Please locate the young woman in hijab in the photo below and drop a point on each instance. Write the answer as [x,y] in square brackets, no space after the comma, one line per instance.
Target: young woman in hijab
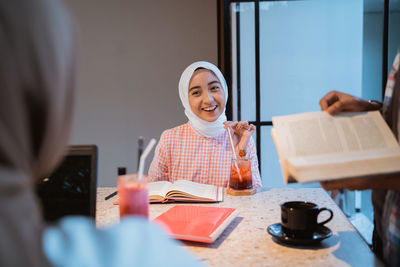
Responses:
[199,150]
[37,51]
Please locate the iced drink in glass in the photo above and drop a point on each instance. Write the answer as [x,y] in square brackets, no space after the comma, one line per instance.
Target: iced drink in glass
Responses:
[244,181]
[133,196]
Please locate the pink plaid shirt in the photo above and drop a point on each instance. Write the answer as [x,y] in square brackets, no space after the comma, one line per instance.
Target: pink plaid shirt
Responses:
[182,154]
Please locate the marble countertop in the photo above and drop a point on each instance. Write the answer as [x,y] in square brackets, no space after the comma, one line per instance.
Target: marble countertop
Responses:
[246,241]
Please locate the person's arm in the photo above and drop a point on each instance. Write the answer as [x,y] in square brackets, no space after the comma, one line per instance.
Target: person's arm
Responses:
[391,182]
[335,102]
[134,241]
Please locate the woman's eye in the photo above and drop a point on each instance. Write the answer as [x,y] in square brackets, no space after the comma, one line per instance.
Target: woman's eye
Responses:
[215,88]
[195,93]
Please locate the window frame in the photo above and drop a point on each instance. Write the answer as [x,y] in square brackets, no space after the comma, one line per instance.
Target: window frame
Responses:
[226,65]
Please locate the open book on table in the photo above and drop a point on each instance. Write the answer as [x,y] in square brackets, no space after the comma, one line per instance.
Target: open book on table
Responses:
[316,146]
[183,190]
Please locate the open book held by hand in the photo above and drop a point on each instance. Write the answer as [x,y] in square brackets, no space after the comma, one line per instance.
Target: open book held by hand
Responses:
[184,191]
[316,146]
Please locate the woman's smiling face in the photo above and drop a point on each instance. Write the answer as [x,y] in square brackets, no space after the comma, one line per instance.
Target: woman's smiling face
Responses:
[206,95]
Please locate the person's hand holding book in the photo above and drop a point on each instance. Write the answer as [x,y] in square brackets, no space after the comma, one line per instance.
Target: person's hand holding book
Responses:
[335,102]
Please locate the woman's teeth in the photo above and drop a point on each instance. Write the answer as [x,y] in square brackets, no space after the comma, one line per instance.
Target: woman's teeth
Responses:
[210,108]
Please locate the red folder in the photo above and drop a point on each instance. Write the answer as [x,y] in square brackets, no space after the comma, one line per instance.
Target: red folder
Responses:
[196,223]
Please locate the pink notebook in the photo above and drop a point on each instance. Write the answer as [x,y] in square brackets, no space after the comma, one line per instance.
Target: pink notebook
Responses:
[196,223]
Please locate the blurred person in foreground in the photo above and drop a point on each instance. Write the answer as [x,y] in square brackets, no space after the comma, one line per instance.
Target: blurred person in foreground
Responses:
[37,71]
[385,188]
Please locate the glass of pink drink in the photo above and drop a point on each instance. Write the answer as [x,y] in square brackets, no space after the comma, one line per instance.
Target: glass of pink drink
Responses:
[244,180]
[133,196]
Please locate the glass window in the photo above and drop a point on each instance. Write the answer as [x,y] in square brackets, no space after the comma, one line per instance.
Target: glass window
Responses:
[394,31]
[271,168]
[243,57]
[307,48]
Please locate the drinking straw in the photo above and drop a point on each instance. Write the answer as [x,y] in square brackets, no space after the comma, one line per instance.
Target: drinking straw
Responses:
[140,150]
[234,153]
[143,157]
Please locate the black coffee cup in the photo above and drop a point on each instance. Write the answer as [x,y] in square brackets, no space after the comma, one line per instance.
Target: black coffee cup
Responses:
[299,219]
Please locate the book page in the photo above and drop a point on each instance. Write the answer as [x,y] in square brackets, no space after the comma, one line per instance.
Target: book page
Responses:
[159,188]
[345,165]
[192,189]
[318,133]
[371,131]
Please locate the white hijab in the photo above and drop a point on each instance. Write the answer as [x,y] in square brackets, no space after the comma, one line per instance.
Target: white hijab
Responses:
[202,127]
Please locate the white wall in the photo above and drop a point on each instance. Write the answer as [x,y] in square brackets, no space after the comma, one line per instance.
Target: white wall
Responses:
[132,54]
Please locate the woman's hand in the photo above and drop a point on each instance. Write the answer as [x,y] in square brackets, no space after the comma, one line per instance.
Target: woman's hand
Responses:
[335,102]
[241,132]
